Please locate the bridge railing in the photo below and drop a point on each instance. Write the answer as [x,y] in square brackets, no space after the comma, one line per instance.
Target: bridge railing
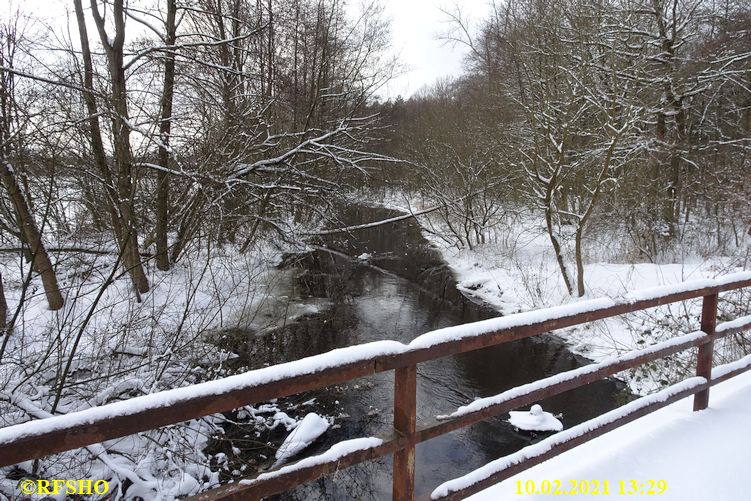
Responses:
[36,439]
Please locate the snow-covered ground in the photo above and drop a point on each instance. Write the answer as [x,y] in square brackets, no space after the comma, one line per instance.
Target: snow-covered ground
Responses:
[697,456]
[482,275]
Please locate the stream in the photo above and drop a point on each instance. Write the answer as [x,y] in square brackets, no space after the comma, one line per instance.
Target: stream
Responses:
[387,282]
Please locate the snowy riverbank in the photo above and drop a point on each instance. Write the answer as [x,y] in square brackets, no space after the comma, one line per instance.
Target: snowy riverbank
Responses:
[515,271]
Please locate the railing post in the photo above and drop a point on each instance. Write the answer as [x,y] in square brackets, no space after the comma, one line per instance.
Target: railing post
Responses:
[405,420]
[704,357]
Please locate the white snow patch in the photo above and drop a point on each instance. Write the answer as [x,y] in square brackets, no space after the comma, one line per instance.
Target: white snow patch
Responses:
[334,453]
[535,419]
[307,431]
[663,445]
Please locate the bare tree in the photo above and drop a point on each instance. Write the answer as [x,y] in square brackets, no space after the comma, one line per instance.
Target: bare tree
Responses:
[3,307]
[122,155]
[10,146]
[39,258]
[568,68]
[443,133]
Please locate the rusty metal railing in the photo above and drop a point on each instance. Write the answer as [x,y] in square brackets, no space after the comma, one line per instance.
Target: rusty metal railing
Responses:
[30,441]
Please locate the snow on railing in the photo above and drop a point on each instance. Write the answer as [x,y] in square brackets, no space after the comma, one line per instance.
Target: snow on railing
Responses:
[687,286]
[332,454]
[721,371]
[353,354]
[734,325]
[170,398]
[541,384]
[527,318]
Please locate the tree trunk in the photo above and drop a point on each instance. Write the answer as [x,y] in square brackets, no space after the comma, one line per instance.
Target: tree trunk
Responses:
[165,126]
[188,224]
[558,251]
[579,262]
[40,259]
[97,145]
[3,308]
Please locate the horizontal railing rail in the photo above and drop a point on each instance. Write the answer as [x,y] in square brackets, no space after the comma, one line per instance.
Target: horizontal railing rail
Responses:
[36,439]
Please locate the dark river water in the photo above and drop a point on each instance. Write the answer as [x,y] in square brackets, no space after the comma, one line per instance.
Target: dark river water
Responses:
[401,291]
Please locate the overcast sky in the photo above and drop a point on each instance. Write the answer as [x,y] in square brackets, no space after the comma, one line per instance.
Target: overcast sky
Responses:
[416,27]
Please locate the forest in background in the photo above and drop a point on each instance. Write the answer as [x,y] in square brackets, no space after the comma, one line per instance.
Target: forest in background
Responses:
[157,157]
